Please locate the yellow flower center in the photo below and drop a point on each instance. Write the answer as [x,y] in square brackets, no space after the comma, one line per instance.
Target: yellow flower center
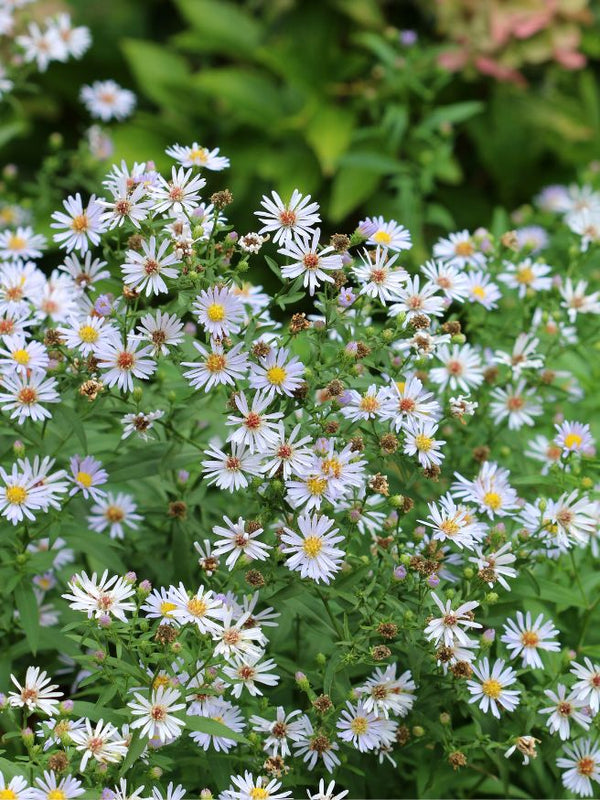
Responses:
[85,479]
[215,362]
[316,485]
[382,237]
[573,440]
[585,766]
[16,495]
[87,333]
[258,793]
[312,546]
[331,466]
[80,224]
[276,375]
[369,404]
[216,312]
[493,500]
[160,680]
[450,527]
[197,607]
[56,794]
[530,639]
[166,608]
[7,794]
[423,442]
[478,291]
[525,275]
[199,154]
[17,243]
[359,725]
[114,514]
[21,357]
[492,688]
[464,248]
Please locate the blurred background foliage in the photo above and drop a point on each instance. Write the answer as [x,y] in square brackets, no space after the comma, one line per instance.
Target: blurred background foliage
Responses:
[432,113]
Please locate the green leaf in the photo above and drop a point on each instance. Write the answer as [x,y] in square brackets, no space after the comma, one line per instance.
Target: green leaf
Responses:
[253,96]
[351,187]
[158,72]
[134,751]
[219,26]
[212,727]
[453,113]
[329,133]
[29,615]
[70,420]
[81,708]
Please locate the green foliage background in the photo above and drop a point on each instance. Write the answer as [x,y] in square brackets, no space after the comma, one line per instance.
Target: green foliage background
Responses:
[321,95]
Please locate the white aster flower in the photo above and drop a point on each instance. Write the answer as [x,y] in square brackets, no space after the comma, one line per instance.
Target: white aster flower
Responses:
[80,227]
[23,395]
[237,541]
[123,362]
[115,512]
[107,100]
[244,671]
[98,598]
[564,709]
[103,743]
[378,276]
[219,311]
[178,195]
[313,552]
[198,156]
[147,270]
[231,471]
[217,366]
[490,689]
[36,694]
[156,715]
[581,762]
[288,221]
[309,261]
[277,373]
[526,637]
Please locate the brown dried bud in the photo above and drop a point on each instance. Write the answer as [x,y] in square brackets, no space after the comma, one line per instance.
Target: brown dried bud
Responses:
[452,327]
[420,322]
[384,541]
[320,744]
[322,704]
[91,364]
[275,766]
[221,199]
[487,574]
[462,669]
[432,473]
[357,444]
[261,349]
[254,578]
[130,294]
[510,240]
[490,374]
[331,427]
[380,652]
[339,278]
[58,762]
[335,388]
[407,504]
[299,323]
[457,760]
[379,483]
[166,634]
[178,509]
[252,526]
[389,630]
[422,375]
[301,391]
[481,453]
[402,735]
[547,376]
[444,654]
[340,242]
[362,350]
[135,242]
[52,338]
[91,389]
[388,443]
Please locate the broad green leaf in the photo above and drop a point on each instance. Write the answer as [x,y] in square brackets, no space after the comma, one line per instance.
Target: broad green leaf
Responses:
[158,72]
[255,98]
[329,134]
[212,727]
[220,26]
[351,187]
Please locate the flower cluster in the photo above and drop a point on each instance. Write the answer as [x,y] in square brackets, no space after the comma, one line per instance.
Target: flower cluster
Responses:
[342,547]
